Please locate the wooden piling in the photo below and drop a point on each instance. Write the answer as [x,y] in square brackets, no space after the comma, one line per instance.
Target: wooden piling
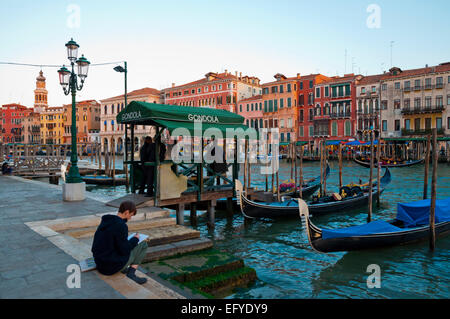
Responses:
[433,191]
[340,165]
[369,216]
[325,161]
[427,165]
[211,209]
[378,171]
[301,173]
[180,214]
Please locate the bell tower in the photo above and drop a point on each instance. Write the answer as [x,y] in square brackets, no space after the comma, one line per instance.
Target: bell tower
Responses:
[40,94]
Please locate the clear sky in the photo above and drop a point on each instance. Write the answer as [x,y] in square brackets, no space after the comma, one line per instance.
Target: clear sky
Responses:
[168,42]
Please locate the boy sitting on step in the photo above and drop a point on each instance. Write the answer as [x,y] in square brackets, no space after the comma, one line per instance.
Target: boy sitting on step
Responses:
[111,249]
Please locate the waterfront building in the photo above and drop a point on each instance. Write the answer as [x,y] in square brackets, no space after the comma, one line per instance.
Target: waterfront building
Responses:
[111,131]
[306,98]
[415,101]
[335,108]
[31,127]
[52,125]
[12,122]
[215,90]
[251,110]
[280,108]
[87,118]
[368,98]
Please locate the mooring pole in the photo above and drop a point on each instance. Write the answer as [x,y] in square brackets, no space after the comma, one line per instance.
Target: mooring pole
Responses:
[427,165]
[301,172]
[369,216]
[378,171]
[433,191]
[340,165]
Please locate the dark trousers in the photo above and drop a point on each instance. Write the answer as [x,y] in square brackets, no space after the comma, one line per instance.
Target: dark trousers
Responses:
[147,179]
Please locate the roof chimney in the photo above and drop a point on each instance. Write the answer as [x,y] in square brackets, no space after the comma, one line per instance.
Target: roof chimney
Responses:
[426,65]
[240,75]
[298,75]
[173,85]
[226,71]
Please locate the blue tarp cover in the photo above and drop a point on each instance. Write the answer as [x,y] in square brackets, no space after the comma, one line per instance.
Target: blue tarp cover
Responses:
[418,213]
[374,227]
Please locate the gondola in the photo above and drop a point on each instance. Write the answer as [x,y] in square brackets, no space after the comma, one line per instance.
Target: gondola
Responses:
[410,225]
[385,164]
[309,187]
[103,180]
[327,204]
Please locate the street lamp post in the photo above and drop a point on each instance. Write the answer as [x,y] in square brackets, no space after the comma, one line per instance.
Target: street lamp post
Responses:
[74,187]
[123,70]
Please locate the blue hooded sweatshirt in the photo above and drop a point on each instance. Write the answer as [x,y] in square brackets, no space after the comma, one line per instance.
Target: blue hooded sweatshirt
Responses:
[111,247]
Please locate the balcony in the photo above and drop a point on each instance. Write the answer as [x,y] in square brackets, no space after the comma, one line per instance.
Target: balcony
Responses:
[408,132]
[340,115]
[417,88]
[407,89]
[423,110]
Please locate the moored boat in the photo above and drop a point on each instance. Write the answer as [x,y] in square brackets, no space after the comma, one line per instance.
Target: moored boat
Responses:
[103,180]
[355,197]
[410,225]
[389,163]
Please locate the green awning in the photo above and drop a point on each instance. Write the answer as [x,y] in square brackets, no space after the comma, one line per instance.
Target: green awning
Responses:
[174,116]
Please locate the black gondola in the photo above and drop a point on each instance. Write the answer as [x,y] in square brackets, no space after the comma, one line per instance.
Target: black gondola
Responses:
[403,164]
[376,234]
[103,180]
[288,208]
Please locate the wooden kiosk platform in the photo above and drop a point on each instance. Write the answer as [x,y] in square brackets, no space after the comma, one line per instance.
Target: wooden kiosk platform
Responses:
[187,182]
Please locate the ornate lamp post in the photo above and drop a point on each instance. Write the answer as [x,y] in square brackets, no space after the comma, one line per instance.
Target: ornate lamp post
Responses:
[69,82]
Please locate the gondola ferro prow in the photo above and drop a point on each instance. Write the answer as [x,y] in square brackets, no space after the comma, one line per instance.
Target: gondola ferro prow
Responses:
[304,216]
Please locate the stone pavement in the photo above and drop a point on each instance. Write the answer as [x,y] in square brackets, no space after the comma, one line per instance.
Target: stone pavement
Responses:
[30,265]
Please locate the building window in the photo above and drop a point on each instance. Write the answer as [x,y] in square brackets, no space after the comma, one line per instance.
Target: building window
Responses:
[439,83]
[397,85]
[384,125]
[317,92]
[396,104]
[288,87]
[333,128]
[275,105]
[397,125]
[311,84]
[439,123]
[281,103]
[439,101]
[327,91]
[281,89]
[282,123]
[407,124]
[289,102]
[363,90]
[384,87]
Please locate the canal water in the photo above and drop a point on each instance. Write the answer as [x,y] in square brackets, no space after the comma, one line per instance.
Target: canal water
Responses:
[287,267]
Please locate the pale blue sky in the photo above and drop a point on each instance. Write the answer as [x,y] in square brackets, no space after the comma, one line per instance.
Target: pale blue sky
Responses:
[180,41]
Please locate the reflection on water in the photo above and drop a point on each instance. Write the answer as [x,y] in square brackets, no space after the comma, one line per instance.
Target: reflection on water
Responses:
[288,268]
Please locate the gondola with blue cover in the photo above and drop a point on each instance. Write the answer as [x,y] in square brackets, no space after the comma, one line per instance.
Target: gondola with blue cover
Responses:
[410,225]
[355,197]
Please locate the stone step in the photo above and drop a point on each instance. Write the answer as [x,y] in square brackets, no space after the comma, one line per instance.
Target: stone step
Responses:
[169,234]
[172,249]
[132,227]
